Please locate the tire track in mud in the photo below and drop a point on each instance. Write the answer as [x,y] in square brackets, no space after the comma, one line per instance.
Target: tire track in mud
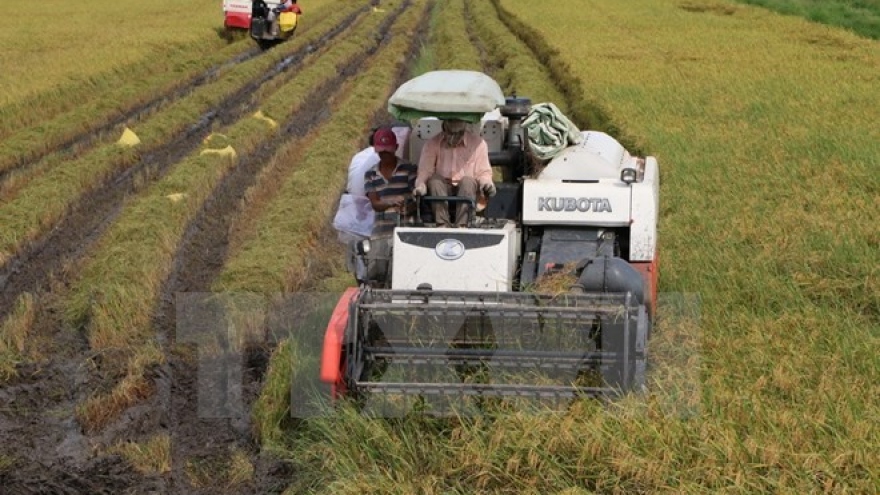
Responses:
[198,262]
[42,449]
[89,217]
[109,474]
[81,142]
[485,58]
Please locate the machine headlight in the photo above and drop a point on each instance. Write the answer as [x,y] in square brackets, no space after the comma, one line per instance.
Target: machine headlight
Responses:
[628,175]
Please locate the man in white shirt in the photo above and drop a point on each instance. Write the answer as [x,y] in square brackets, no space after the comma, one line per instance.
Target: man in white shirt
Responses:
[355,194]
[363,161]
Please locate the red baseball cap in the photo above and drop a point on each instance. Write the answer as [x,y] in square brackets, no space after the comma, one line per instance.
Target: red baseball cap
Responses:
[385,140]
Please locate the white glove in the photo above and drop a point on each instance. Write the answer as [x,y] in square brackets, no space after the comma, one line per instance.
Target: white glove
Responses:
[420,190]
[489,189]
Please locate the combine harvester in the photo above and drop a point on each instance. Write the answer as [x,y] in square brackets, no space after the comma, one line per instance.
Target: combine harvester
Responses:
[268,22]
[465,314]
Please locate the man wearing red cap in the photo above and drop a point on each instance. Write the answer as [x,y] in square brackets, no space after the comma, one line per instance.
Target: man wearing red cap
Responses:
[389,184]
[389,187]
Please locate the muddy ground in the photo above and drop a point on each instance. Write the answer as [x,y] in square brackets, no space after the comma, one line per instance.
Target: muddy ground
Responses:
[43,449]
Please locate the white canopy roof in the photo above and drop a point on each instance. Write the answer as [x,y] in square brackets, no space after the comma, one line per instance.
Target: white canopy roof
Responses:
[449,91]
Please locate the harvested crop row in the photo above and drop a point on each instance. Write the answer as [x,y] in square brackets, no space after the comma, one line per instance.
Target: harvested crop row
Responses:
[289,223]
[103,105]
[517,70]
[453,49]
[76,199]
[583,108]
[14,331]
[204,248]
[62,184]
[293,230]
[175,118]
[245,271]
[116,293]
[110,92]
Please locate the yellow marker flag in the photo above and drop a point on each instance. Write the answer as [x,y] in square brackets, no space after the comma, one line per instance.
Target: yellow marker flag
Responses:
[129,138]
[377,9]
[176,197]
[227,151]
[261,116]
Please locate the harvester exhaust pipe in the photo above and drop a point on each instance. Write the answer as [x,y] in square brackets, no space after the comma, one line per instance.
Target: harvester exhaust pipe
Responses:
[511,157]
[516,110]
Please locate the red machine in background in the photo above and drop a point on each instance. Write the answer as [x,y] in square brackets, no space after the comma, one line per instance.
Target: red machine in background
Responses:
[237,14]
[267,21]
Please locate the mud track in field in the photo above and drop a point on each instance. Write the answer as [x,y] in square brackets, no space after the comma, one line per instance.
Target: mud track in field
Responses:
[81,142]
[198,262]
[485,60]
[42,448]
[42,445]
[86,220]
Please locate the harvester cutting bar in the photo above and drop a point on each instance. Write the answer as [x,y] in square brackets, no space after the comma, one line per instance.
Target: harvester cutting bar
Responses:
[486,390]
[498,357]
[434,309]
[513,301]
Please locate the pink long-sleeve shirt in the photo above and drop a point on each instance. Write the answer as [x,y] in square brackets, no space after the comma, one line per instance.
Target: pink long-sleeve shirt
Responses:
[469,158]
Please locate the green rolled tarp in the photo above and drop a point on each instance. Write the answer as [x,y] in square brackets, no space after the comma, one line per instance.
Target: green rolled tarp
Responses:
[549,131]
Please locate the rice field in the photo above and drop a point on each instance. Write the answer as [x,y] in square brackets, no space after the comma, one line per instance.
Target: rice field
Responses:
[765,129]
[762,114]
